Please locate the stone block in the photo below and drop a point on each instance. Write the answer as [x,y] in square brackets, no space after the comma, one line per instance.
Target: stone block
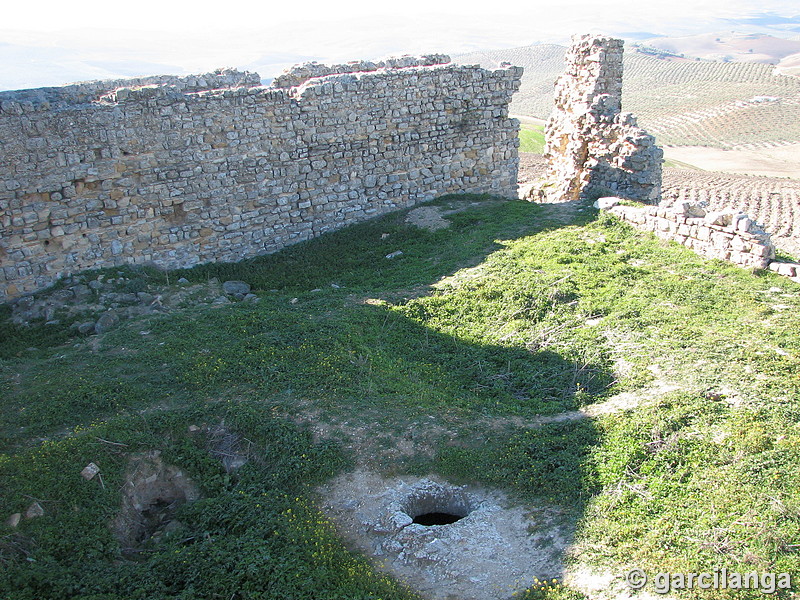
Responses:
[89,471]
[34,511]
[13,520]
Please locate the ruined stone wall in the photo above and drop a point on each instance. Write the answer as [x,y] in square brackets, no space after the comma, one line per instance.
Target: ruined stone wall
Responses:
[593,149]
[176,175]
[20,101]
[301,73]
[726,235]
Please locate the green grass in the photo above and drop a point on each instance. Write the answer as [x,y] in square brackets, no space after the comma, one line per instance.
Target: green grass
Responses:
[677,164]
[469,337]
[531,138]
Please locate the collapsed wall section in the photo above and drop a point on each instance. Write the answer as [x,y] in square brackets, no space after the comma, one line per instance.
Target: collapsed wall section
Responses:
[725,235]
[593,149]
[160,175]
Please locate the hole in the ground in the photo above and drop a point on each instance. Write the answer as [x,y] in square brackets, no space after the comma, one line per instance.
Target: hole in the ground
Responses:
[152,493]
[437,504]
[436,518]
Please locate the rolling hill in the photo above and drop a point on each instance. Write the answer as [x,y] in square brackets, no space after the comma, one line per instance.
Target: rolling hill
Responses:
[683,102]
[726,47]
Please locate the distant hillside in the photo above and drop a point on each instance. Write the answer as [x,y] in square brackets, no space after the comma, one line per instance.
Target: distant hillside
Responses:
[727,47]
[683,102]
[789,65]
[543,64]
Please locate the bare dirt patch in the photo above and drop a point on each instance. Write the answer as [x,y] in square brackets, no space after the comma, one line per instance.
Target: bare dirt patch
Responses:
[382,439]
[617,403]
[428,217]
[433,217]
[493,550]
[778,161]
[531,167]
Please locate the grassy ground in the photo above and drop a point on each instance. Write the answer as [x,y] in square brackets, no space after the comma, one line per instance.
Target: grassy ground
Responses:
[477,331]
[531,138]
[676,164]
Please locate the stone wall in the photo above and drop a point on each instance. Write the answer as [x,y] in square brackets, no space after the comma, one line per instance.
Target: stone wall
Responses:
[593,149]
[170,173]
[726,235]
[20,101]
[301,73]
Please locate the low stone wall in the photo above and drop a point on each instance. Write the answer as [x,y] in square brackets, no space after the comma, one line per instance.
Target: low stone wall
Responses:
[787,269]
[726,235]
[175,172]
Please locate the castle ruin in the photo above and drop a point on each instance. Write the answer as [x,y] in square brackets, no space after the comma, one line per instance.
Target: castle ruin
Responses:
[592,148]
[179,171]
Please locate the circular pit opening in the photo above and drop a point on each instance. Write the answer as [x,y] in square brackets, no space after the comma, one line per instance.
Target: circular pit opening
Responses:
[436,518]
[439,505]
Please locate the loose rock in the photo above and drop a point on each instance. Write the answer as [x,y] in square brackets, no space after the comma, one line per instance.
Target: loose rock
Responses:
[89,471]
[34,510]
[107,321]
[235,288]
[14,520]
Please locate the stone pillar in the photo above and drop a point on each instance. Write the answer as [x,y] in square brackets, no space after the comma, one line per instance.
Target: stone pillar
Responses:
[593,149]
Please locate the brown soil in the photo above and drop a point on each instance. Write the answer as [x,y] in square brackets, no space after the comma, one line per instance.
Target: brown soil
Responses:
[771,161]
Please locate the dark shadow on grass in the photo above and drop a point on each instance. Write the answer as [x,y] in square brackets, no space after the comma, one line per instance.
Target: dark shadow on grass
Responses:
[355,257]
[60,393]
[324,354]
[356,362]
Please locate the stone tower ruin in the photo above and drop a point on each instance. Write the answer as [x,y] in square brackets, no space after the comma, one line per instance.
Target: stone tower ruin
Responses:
[592,148]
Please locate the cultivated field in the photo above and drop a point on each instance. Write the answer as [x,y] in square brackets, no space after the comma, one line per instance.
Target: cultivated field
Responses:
[683,102]
[543,64]
[726,47]
[721,105]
